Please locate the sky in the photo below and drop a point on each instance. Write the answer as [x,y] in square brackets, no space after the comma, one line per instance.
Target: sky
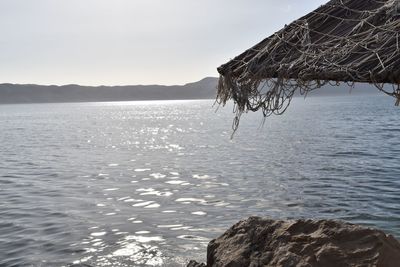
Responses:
[123,42]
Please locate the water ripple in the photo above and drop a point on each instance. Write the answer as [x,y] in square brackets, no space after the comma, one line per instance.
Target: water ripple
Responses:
[150,183]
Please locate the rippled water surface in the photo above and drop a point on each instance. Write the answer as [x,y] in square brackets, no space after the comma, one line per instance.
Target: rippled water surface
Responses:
[150,183]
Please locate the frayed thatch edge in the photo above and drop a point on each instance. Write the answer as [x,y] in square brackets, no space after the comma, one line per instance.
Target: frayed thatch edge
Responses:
[276,98]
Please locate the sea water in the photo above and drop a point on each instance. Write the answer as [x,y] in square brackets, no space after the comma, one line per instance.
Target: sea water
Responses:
[151,183]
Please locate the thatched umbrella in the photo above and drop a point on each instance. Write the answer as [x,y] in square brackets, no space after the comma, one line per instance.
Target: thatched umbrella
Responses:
[342,41]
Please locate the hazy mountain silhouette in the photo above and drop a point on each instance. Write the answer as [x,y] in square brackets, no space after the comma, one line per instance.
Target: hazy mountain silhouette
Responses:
[203,89]
[343,90]
[32,93]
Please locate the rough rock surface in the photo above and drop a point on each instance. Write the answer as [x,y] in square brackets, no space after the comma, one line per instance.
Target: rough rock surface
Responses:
[302,243]
[195,264]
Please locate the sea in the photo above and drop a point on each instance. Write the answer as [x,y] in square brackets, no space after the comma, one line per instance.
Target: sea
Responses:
[151,183]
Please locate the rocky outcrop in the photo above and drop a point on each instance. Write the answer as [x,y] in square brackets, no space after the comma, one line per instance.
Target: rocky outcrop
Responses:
[302,243]
[195,264]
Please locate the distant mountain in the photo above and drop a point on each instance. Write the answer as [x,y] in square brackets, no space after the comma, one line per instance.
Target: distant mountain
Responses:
[343,90]
[203,89]
[32,93]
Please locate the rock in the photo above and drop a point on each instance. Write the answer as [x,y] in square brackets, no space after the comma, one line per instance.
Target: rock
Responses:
[302,243]
[195,264]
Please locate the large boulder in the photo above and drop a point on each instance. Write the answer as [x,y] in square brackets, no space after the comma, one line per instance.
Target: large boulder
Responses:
[302,243]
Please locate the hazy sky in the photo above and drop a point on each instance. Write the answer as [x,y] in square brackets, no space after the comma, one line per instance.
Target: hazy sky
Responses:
[115,42]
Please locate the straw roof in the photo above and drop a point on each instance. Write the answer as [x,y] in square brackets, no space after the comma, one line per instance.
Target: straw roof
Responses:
[341,41]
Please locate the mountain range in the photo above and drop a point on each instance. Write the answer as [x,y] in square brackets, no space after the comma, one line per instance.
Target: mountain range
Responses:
[32,93]
[203,89]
